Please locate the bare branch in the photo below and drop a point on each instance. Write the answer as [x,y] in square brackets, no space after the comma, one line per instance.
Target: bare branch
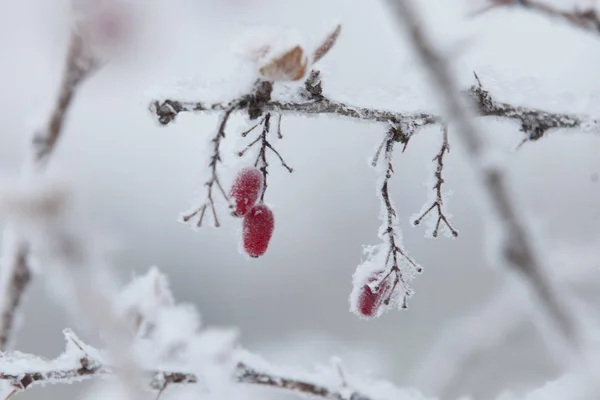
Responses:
[16,277]
[245,372]
[535,123]
[438,204]
[517,251]
[587,20]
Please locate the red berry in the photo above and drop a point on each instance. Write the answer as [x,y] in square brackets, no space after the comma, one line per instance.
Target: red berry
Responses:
[369,300]
[246,190]
[258,229]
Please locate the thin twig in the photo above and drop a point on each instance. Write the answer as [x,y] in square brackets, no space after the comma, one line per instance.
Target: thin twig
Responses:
[261,160]
[214,177]
[394,249]
[279,134]
[587,20]
[11,394]
[438,204]
[78,66]
[517,251]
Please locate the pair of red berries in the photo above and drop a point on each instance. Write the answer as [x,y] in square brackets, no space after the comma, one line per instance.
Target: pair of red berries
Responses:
[258,218]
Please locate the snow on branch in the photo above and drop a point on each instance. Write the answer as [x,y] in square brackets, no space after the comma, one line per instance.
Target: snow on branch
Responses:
[438,202]
[80,362]
[516,250]
[15,272]
[535,123]
[374,286]
[262,92]
[186,355]
[388,266]
[587,19]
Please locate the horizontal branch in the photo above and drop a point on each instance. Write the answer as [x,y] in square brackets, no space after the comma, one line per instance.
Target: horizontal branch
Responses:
[533,122]
[87,367]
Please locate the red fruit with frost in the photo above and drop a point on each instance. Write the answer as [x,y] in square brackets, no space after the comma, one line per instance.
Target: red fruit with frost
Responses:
[246,189]
[370,300]
[257,230]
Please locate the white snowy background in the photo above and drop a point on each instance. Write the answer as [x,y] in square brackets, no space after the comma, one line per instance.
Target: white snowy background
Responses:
[291,305]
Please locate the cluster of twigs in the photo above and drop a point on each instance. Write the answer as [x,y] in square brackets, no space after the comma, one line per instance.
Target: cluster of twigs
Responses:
[261,159]
[252,103]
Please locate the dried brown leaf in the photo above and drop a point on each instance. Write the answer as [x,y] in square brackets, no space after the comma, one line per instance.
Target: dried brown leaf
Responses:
[291,66]
[327,44]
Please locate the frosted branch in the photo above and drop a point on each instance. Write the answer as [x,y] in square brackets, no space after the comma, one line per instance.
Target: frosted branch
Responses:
[438,203]
[587,20]
[516,251]
[535,123]
[395,250]
[82,362]
[15,269]
[215,159]
[264,146]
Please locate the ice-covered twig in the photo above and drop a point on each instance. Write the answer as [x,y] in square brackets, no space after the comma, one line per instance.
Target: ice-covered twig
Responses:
[265,145]
[16,274]
[261,94]
[395,252]
[39,371]
[535,123]
[587,20]
[517,250]
[438,203]
[215,159]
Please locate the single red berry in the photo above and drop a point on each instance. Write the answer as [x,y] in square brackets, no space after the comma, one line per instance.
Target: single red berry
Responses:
[246,190]
[370,300]
[257,230]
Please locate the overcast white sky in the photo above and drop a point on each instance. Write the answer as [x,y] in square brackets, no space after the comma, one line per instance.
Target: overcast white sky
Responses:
[292,304]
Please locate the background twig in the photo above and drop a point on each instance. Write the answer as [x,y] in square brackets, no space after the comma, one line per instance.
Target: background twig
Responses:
[16,272]
[516,251]
[586,20]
